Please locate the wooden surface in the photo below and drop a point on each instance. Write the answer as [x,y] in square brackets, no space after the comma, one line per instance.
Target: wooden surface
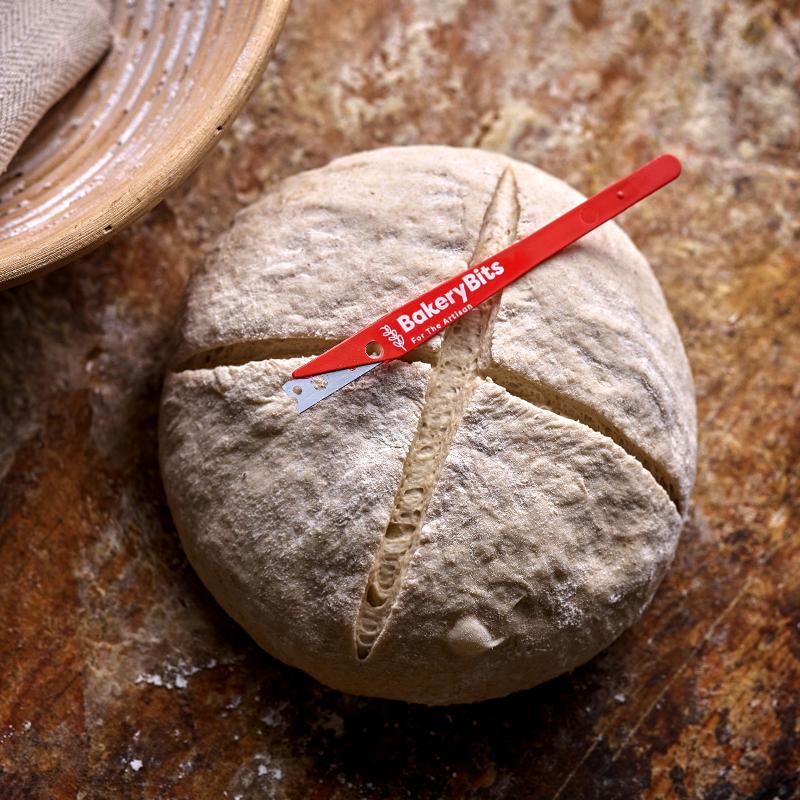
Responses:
[121,678]
[175,77]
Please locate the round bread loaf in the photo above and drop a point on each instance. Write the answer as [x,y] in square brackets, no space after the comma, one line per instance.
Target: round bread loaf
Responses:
[473,521]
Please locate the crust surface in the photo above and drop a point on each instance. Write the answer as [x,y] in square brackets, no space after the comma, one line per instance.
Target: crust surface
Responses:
[556,503]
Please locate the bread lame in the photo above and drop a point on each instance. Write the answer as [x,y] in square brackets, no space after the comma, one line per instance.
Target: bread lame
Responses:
[412,324]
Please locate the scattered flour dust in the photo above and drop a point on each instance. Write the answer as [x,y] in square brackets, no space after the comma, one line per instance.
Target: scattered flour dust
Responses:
[273,718]
[8,732]
[274,772]
[257,778]
[174,675]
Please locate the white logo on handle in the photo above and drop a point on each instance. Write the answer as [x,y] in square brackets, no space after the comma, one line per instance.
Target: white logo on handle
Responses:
[394,337]
[456,296]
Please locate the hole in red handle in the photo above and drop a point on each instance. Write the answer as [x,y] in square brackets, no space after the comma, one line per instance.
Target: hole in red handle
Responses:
[373,350]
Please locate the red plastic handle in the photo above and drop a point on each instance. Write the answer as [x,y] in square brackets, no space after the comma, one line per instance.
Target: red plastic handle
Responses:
[412,324]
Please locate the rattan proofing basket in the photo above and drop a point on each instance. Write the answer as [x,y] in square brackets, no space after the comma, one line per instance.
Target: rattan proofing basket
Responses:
[132,130]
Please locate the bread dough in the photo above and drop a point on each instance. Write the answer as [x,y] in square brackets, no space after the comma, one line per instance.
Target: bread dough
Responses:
[454,528]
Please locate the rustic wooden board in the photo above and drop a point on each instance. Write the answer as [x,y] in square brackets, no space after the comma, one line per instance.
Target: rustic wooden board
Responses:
[119,675]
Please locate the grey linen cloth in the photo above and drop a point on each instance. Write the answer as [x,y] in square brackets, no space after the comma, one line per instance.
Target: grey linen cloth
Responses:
[46,46]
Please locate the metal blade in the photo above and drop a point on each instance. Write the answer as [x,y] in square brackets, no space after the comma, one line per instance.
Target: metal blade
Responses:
[307,392]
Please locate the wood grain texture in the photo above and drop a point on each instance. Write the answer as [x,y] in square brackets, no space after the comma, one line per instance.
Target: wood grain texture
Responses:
[120,676]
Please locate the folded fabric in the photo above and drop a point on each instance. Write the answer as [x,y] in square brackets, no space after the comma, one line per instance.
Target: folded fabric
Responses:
[46,46]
